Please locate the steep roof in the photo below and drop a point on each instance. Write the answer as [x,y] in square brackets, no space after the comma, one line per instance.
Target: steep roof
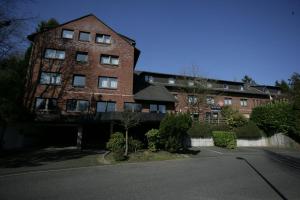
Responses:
[125,38]
[154,93]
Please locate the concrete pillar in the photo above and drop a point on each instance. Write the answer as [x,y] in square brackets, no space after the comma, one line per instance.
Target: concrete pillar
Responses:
[79,137]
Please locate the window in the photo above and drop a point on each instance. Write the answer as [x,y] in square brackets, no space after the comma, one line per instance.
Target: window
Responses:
[149,79]
[82,57]
[109,60]
[175,96]
[242,88]
[244,102]
[106,106]
[155,108]
[210,100]
[191,83]
[209,85]
[84,36]
[133,107]
[50,78]
[101,38]
[78,80]
[68,34]
[54,54]
[225,86]
[108,82]
[228,101]
[171,81]
[74,105]
[45,104]
[192,99]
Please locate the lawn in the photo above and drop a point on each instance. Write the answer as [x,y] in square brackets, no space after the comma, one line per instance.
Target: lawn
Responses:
[145,155]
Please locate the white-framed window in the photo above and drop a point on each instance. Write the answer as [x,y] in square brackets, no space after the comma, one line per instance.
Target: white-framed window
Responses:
[50,78]
[102,38]
[244,102]
[106,106]
[157,108]
[227,101]
[82,57]
[171,81]
[108,82]
[67,34]
[192,99]
[45,104]
[226,87]
[242,88]
[210,100]
[84,36]
[54,54]
[78,80]
[74,105]
[209,85]
[109,60]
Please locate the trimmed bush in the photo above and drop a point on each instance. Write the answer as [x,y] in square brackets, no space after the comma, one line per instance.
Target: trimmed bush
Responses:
[248,131]
[134,145]
[116,142]
[153,138]
[173,131]
[200,130]
[274,117]
[224,139]
[221,127]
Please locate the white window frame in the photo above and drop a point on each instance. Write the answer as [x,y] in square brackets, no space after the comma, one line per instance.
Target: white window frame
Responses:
[110,59]
[244,102]
[103,39]
[52,78]
[112,82]
[46,104]
[55,54]
[227,101]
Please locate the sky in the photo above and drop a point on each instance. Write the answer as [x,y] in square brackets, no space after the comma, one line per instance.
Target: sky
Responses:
[224,39]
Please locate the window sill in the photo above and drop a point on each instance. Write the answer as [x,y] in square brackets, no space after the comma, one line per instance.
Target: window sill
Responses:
[109,65]
[107,88]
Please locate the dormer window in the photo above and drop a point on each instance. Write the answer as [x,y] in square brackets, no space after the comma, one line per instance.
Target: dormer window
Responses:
[242,88]
[171,81]
[209,85]
[225,86]
[149,79]
[101,38]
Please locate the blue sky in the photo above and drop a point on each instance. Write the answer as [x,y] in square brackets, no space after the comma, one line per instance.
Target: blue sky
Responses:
[225,39]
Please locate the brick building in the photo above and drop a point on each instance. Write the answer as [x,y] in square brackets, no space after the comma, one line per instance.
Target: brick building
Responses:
[84,67]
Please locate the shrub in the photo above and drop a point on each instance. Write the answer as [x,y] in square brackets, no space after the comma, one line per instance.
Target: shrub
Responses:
[173,131]
[274,117]
[116,142]
[224,139]
[153,138]
[118,155]
[134,145]
[232,117]
[200,130]
[220,127]
[248,131]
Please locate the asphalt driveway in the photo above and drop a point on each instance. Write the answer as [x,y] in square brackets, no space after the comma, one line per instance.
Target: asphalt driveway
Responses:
[212,174]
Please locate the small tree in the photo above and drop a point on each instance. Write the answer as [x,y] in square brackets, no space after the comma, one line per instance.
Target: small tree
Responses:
[232,117]
[128,120]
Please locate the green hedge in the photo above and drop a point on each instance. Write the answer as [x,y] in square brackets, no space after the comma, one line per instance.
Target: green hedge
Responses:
[200,130]
[248,131]
[224,139]
[173,131]
[274,117]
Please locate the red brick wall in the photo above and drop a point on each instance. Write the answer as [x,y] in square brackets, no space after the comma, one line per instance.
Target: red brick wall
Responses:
[93,69]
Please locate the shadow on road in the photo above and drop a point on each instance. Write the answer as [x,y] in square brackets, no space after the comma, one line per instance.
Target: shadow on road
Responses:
[40,157]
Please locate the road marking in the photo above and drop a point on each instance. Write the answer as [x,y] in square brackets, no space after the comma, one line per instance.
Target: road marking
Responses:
[218,152]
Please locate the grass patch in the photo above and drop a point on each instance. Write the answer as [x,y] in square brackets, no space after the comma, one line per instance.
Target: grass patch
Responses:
[143,156]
